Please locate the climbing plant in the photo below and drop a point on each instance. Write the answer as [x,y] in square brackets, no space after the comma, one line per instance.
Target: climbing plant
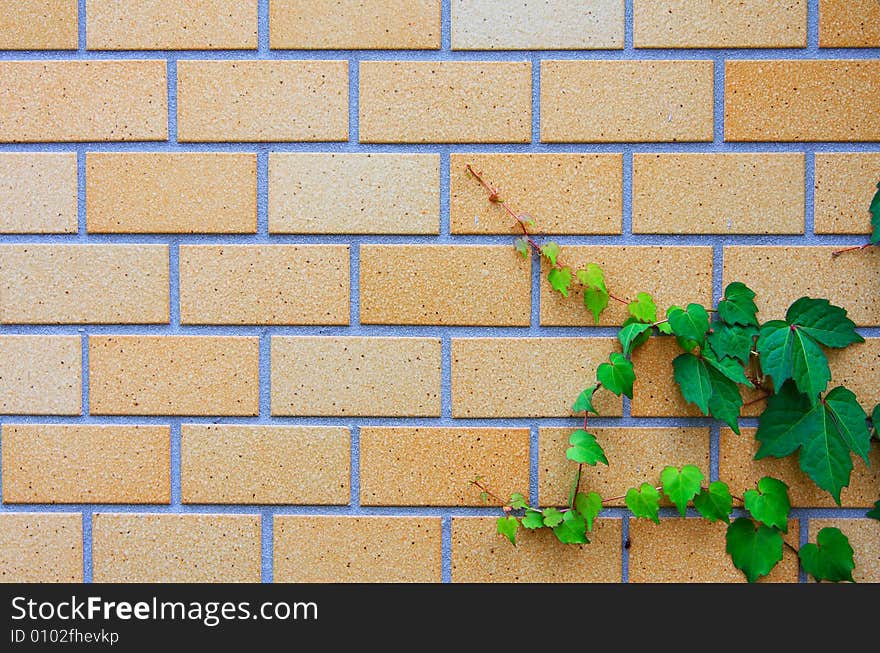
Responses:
[723,348]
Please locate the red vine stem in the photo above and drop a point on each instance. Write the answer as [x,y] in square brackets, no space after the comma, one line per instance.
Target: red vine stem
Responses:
[857,248]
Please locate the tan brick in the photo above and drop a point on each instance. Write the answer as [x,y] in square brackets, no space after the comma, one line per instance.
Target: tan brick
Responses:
[801,100]
[354,24]
[371,193]
[444,284]
[264,464]
[171,25]
[672,275]
[38,193]
[39,25]
[719,24]
[162,192]
[864,537]
[356,376]
[549,25]
[41,548]
[526,377]
[436,466]
[689,550]
[718,193]
[563,193]
[845,184]
[357,549]
[166,548]
[780,275]
[460,97]
[173,375]
[655,393]
[83,101]
[71,463]
[84,284]
[480,554]
[739,469]
[614,101]
[262,100]
[857,367]
[264,284]
[635,456]
[40,375]
[849,24]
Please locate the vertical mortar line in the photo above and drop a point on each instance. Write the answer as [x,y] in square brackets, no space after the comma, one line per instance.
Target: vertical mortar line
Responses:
[81,222]
[809,193]
[171,69]
[536,99]
[446,25]
[624,549]
[445,217]
[87,544]
[446,549]
[84,374]
[263,191]
[353,102]
[803,538]
[176,444]
[354,290]
[628,42]
[627,193]
[714,450]
[174,283]
[355,501]
[718,67]
[81,26]
[265,376]
[445,376]
[263,27]
[812,26]
[267,530]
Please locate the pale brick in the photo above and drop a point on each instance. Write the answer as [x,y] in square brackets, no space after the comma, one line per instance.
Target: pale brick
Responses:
[41,548]
[357,549]
[38,193]
[655,393]
[436,466]
[40,375]
[173,375]
[356,376]
[264,464]
[845,185]
[849,23]
[84,284]
[262,100]
[445,102]
[71,463]
[39,25]
[864,537]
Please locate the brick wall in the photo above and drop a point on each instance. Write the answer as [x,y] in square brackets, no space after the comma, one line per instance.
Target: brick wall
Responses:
[258,324]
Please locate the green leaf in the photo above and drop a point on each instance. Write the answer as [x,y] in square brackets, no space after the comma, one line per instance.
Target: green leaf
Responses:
[732,341]
[830,559]
[681,485]
[692,377]
[595,293]
[522,246]
[664,328]
[787,415]
[729,367]
[874,513]
[575,483]
[589,506]
[849,419]
[714,503]
[533,519]
[560,279]
[691,323]
[875,217]
[644,502]
[552,517]
[551,251]
[769,503]
[738,306]
[703,383]
[875,419]
[630,334]
[824,322]
[592,276]
[518,501]
[507,526]
[754,551]
[726,401]
[643,308]
[618,375]
[572,530]
[584,402]
[585,449]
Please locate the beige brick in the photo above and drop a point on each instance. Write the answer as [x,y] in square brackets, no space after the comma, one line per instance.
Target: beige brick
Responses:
[635,456]
[166,548]
[780,275]
[672,275]
[461,98]
[83,101]
[739,469]
[548,25]
[71,463]
[718,193]
[444,284]
[720,24]
[655,393]
[354,24]
[801,100]
[84,284]
[614,101]
[264,284]
[173,375]
[849,23]
[376,377]
[845,185]
[171,25]
[563,193]
[526,377]
[436,466]
[262,100]
[357,549]
[40,375]
[39,25]
[320,193]
[38,193]
[264,464]
[162,192]
[864,537]
[857,367]
[41,548]
[480,554]
[689,550]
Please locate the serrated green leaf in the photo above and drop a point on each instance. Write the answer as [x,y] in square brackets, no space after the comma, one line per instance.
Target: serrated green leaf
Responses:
[824,322]
[875,217]
[552,517]
[738,306]
[681,485]
[572,530]
[518,501]
[715,503]
[732,341]
[787,415]
[729,367]
[754,551]
[630,335]
[691,323]
[592,276]
[584,402]
[560,280]
[643,308]
[692,377]
[874,513]
[533,519]
[617,375]
[849,419]
[831,559]
[550,250]
[585,449]
[726,401]
[507,526]
[644,502]
[769,504]
[786,353]
[595,293]
[664,328]
[589,506]
[522,246]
